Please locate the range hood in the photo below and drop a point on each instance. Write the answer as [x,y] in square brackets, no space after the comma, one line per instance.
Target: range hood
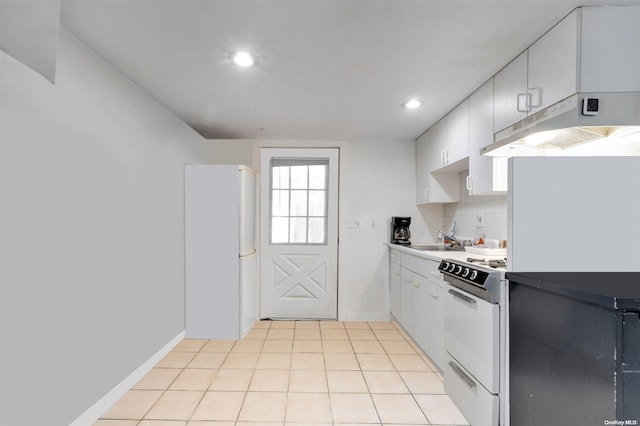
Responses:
[582,124]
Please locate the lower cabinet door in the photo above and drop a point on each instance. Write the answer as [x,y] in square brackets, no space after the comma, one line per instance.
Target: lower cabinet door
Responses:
[406,299]
[421,313]
[435,307]
[394,283]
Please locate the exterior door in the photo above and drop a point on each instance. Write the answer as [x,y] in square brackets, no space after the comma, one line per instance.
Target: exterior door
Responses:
[299,233]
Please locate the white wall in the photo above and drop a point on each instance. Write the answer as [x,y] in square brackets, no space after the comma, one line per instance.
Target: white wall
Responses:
[92,233]
[492,208]
[377,181]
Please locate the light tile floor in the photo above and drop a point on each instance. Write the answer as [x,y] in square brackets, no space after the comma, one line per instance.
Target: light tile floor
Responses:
[291,373]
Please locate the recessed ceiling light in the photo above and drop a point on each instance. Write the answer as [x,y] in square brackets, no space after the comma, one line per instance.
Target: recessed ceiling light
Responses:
[243,59]
[412,104]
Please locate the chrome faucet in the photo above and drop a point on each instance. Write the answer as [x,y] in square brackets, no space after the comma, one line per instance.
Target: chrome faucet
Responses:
[448,237]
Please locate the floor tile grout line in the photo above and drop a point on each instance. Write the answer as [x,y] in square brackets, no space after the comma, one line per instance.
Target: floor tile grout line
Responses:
[387,352]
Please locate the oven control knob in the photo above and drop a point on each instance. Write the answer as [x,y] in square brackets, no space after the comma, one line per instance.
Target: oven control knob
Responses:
[445,265]
[452,267]
[473,275]
[458,270]
[465,272]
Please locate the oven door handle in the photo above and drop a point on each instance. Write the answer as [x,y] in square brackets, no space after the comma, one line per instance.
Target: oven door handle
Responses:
[462,297]
[456,369]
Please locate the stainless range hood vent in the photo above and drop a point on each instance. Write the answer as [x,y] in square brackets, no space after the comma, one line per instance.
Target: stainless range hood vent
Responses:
[562,126]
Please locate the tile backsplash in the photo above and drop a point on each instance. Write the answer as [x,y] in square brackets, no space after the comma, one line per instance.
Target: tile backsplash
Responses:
[492,209]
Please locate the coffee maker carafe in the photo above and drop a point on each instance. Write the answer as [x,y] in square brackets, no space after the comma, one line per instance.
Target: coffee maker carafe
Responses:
[400,233]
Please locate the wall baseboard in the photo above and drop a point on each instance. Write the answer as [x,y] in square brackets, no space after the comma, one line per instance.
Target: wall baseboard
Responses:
[368,317]
[96,410]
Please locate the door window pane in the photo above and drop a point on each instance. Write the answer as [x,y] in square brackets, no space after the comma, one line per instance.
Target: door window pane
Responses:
[280,177]
[298,231]
[280,203]
[316,203]
[299,179]
[318,177]
[316,230]
[299,200]
[298,203]
[279,229]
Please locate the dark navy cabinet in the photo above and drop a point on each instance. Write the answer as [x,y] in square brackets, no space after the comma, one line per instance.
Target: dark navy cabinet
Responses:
[574,348]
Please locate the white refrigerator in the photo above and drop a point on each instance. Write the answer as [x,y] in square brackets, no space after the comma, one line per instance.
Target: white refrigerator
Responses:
[220,251]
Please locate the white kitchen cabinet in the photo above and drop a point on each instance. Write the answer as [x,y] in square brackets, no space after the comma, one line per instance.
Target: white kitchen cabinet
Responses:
[433,187]
[456,144]
[422,304]
[435,319]
[592,50]
[421,314]
[610,59]
[428,317]
[542,75]
[553,65]
[510,93]
[406,299]
[394,283]
[487,175]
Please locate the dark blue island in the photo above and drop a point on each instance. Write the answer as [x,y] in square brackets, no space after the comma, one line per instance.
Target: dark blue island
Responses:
[574,348]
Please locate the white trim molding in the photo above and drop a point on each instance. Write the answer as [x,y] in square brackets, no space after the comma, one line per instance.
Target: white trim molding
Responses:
[103,404]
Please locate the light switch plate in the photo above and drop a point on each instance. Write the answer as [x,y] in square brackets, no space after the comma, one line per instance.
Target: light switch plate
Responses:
[353,223]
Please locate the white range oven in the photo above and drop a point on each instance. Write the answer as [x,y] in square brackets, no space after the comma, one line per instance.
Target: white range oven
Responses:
[476,308]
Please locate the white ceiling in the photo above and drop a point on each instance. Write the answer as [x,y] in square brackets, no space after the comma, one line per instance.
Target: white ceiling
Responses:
[327,69]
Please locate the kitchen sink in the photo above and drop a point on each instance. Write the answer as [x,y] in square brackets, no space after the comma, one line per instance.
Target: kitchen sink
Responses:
[436,247]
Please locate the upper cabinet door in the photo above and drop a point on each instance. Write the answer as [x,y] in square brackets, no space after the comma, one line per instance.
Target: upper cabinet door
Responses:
[457,145]
[486,174]
[610,60]
[510,94]
[553,65]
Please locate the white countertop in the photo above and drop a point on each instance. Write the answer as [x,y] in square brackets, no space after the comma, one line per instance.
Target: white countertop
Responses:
[432,255]
[439,255]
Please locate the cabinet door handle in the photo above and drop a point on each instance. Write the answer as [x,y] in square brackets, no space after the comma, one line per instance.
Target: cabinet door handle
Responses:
[446,156]
[520,97]
[462,297]
[426,194]
[434,296]
[456,369]
[436,273]
[469,184]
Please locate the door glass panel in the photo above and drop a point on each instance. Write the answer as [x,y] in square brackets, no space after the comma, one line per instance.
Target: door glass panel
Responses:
[298,231]
[317,177]
[299,179]
[298,203]
[280,177]
[316,203]
[280,229]
[280,203]
[316,230]
[299,200]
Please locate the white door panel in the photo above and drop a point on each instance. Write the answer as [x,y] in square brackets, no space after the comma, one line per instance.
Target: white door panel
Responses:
[298,278]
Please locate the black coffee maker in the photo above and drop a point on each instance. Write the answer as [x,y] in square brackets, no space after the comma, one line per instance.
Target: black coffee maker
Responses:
[400,233]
